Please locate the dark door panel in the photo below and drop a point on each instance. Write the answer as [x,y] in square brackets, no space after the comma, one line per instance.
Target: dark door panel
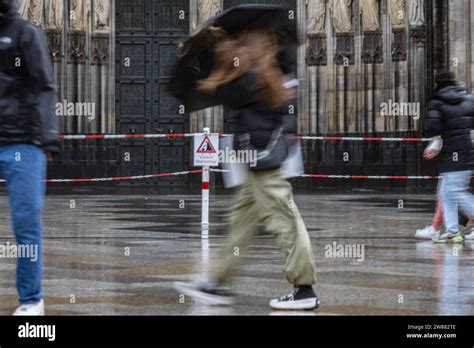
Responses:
[148,33]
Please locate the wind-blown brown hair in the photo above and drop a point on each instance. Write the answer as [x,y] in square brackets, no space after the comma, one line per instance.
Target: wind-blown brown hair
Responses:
[254,50]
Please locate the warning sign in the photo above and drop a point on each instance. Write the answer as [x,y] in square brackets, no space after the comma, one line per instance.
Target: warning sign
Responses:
[206,146]
[206,150]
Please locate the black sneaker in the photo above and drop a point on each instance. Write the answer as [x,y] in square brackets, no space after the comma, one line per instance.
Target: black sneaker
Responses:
[301,298]
[207,293]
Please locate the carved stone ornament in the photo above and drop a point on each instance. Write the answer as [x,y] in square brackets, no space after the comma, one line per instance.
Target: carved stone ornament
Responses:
[345,52]
[399,49]
[54,38]
[316,53]
[372,51]
[418,34]
[100,49]
[76,48]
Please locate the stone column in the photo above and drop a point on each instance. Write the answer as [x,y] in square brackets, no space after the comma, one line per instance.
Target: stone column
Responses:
[80,39]
[101,67]
[471,38]
[304,120]
[201,11]
[416,15]
[460,40]
[397,11]
[76,60]
[315,42]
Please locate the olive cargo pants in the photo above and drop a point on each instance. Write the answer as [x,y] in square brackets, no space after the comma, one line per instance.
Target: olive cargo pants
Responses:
[267,199]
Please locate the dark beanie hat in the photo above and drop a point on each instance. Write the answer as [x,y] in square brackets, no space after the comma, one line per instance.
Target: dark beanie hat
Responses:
[445,78]
[7,8]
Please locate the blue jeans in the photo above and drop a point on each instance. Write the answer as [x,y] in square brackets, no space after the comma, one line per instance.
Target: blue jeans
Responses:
[23,167]
[453,191]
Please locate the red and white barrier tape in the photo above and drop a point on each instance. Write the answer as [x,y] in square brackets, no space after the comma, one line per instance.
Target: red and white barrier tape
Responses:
[370,177]
[362,138]
[130,136]
[121,178]
[188,135]
[219,170]
[205,183]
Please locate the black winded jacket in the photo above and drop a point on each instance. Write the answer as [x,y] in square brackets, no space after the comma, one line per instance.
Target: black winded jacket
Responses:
[254,119]
[27,88]
[451,115]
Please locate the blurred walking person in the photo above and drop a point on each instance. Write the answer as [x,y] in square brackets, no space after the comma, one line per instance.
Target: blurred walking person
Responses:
[28,137]
[451,116]
[433,231]
[257,88]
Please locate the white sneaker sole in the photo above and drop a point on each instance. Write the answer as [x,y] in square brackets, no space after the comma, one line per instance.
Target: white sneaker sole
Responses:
[33,312]
[426,236]
[307,304]
[38,314]
[209,299]
[449,241]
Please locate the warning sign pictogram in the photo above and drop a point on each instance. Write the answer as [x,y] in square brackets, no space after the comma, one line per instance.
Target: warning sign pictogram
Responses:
[206,146]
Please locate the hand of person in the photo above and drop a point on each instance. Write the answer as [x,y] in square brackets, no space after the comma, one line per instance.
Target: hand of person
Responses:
[49,156]
[430,154]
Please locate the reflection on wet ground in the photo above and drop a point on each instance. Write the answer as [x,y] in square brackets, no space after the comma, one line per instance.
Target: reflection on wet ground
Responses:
[121,254]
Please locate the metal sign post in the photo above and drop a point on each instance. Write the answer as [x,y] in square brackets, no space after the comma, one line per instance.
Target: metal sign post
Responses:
[206,154]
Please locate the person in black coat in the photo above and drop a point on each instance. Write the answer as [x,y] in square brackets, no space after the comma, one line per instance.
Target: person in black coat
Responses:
[451,116]
[265,100]
[28,135]
[27,87]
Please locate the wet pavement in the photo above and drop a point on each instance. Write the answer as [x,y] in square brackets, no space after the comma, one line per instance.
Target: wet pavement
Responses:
[119,255]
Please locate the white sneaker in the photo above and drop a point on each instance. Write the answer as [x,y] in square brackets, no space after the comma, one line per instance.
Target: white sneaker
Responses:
[470,236]
[32,309]
[428,233]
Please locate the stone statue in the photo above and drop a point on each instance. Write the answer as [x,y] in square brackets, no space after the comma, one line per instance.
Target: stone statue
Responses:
[397,13]
[101,15]
[316,16]
[417,12]
[342,15]
[208,9]
[23,8]
[35,12]
[370,14]
[76,15]
[54,14]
